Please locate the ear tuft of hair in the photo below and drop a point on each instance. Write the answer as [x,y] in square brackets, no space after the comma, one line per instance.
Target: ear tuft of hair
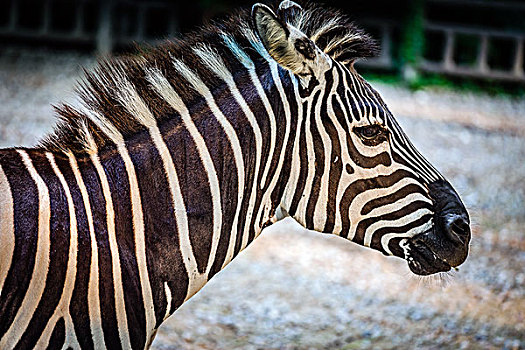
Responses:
[272,32]
[288,9]
[285,44]
[334,33]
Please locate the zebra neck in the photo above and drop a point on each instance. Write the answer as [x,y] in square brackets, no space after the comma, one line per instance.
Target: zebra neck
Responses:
[209,178]
[152,218]
[303,196]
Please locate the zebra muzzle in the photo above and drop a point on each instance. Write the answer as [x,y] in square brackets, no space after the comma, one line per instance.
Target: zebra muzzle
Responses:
[446,245]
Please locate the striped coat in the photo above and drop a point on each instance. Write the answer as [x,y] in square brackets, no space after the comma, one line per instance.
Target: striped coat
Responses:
[173,160]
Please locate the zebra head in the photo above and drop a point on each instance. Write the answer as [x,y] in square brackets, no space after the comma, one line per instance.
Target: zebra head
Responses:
[354,172]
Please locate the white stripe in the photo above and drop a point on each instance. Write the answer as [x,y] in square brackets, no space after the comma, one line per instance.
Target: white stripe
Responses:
[320,208]
[295,171]
[354,101]
[266,203]
[402,221]
[135,105]
[237,51]
[7,228]
[400,203]
[257,45]
[39,275]
[215,63]
[164,89]
[120,305]
[269,112]
[249,34]
[95,318]
[167,292]
[411,233]
[231,134]
[303,202]
[62,308]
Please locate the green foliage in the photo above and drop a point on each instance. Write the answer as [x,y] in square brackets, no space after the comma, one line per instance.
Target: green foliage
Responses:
[432,81]
[413,39]
[386,78]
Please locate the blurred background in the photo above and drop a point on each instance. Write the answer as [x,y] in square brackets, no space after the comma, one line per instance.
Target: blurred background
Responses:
[452,71]
[480,39]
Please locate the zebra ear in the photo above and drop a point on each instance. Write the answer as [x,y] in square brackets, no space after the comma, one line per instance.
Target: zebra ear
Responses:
[287,45]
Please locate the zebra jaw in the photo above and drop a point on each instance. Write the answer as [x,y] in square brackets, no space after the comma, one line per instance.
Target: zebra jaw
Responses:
[422,260]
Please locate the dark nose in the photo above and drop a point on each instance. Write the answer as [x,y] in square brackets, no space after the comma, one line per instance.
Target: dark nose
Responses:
[457,229]
[450,213]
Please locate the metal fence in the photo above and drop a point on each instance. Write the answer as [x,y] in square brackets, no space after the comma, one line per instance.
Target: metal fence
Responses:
[480,66]
[459,50]
[101,25]
[447,62]
[114,24]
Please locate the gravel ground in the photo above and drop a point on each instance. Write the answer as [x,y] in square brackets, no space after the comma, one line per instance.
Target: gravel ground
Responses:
[295,289]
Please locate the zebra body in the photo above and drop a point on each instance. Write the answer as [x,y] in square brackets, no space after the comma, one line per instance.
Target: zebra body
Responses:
[175,160]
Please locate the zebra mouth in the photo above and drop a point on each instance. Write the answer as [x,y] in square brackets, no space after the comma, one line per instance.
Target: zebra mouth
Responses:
[422,260]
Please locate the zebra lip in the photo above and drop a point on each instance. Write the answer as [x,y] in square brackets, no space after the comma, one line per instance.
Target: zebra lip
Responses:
[423,261]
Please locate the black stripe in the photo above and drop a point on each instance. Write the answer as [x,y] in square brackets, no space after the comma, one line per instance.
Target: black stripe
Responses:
[106,290]
[119,186]
[25,212]
[270,88]
[165,260]
[336,170]
[254,101]
[392,197]
[319,160]
[394,215]
[347,97]
[303,164]
[163,257]
[78,308]
[338,113]
[362,185]
[230,189]
[285,173]
[280,122]
[58,336]
[393,245]
[363,161]
[200,212]
[59,251]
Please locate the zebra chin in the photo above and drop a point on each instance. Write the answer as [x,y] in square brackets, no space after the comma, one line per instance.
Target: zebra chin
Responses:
[446,244]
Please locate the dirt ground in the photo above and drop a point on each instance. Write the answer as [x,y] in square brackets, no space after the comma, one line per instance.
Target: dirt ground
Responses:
[295,289]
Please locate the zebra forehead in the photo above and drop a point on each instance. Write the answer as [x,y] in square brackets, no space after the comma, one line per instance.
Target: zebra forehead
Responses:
[119,91]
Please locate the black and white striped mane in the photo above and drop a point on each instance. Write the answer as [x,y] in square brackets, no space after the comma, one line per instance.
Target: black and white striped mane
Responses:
[332,31]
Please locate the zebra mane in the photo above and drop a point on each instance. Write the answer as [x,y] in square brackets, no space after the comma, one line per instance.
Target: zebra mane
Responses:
[117,99]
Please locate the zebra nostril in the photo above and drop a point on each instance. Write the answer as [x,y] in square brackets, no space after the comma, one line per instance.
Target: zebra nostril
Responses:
[458,229]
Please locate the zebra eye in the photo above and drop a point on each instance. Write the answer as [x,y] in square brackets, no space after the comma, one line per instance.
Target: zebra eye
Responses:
[369,132]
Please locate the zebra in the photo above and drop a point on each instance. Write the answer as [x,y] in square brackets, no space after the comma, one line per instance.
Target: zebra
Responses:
[173,160]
